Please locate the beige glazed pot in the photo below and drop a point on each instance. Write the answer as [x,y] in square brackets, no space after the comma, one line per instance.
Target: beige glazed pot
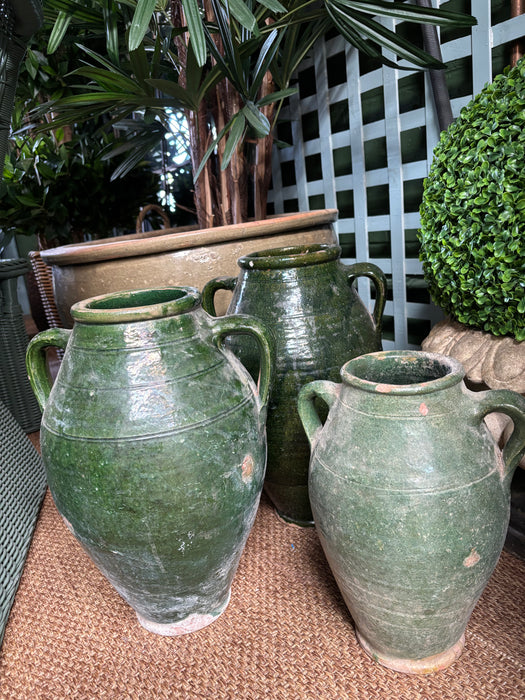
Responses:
[174,257]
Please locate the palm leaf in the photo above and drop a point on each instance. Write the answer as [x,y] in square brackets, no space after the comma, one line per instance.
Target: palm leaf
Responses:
[237,127]
[257,119]
[196,31]
[411,13]
[58,32]
[140,22]
[382,36]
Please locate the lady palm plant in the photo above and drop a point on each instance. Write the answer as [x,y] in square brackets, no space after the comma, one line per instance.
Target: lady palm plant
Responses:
[228,64]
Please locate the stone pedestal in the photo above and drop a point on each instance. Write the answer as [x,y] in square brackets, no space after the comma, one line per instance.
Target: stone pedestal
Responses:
[490,362]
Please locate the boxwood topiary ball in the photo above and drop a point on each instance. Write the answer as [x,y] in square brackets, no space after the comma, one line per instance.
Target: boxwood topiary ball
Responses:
[473,211]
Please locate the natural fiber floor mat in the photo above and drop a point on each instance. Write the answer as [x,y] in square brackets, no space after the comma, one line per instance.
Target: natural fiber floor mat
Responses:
[285,635]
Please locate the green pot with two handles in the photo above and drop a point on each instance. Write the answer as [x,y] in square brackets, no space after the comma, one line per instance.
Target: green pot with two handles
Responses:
[153,438]
[306,297]
[411,498]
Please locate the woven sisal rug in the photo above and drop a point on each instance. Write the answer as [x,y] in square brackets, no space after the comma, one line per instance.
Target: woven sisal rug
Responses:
[286,633]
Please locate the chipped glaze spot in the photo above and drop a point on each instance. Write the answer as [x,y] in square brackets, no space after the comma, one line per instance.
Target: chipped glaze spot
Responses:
[423,409]
[472,558]
[247,469]
[384,388]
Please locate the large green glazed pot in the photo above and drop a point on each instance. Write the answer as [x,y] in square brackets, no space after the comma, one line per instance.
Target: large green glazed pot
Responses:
[410,496]
[305,295]
[153,438]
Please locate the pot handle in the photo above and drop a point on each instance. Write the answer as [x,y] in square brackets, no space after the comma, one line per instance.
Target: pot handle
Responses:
[511,404]
[213,286]
[239,324]
[320,388]
[376,274]
[36,360]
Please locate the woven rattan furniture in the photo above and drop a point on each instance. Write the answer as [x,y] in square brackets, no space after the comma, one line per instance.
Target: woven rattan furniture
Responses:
[19,20]
[15,390]
[44,283]
[23,485]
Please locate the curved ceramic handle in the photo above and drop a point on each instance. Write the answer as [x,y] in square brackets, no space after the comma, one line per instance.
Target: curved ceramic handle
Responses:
[323,389]
[376,274]
[36,360]
[209,289]
[239,324]
[513,405]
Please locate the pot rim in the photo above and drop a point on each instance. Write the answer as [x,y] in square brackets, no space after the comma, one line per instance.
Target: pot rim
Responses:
[290,256]
[447,370]
[167,240]
[136,305]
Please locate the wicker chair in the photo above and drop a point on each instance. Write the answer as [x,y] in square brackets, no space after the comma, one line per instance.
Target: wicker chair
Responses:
[23,481]
[19,19]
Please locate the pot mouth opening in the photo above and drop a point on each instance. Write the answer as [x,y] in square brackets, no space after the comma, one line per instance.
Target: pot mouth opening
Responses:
[136,305]
[290,256]
[402,372]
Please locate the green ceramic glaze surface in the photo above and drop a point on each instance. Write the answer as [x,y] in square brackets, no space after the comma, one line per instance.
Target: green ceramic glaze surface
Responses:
[154,443]
[304,294]
[410,497]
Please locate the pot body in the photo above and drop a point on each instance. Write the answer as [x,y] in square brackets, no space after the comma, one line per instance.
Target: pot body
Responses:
[172,257]
[154,444]
[304,295]
[410,496]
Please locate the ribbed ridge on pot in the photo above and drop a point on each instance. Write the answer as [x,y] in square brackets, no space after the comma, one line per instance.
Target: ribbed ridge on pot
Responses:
[136,305]
[290,256]
[402,372]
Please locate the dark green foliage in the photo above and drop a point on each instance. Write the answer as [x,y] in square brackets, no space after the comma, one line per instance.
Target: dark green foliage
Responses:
[63,192]
[473,211]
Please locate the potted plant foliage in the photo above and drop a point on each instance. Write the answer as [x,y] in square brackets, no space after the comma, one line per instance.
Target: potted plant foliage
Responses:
[473,251]
[472,222]
[228,66]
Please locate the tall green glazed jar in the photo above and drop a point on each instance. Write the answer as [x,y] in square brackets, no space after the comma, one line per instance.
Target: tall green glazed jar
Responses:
[153,438]
[305,296]
[411,499]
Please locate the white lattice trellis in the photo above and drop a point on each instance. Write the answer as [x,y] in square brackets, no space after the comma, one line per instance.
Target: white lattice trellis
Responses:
[408,316]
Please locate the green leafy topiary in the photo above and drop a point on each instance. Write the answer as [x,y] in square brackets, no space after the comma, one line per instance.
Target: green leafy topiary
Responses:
[473,211]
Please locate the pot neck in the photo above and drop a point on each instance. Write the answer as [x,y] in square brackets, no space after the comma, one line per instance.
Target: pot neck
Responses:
[290,256]
[402,372]
[137,305]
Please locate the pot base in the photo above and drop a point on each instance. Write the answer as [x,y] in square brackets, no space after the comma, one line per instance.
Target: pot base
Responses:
[293,521]
[430,664]
[192,623]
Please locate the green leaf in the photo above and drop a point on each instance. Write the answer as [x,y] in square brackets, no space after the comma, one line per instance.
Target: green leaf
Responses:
[275,96]
[110,22]
[210,150]
[196,31]
[237,126]
[174,90]
[273,5]
[257,119]
[140,22]
[412,13]
[242,13]
[382,36]
[58,32]
[266,55]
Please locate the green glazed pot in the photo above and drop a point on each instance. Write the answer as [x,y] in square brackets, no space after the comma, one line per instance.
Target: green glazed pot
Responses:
[410,496]
[153,438]
[304,295]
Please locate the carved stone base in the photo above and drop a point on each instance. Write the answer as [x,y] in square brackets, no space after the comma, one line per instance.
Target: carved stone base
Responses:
[497,362]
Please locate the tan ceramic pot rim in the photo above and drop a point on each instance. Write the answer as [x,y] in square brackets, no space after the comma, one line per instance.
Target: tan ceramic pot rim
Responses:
[136,305]
[140,244]
[291,256]
[402,372]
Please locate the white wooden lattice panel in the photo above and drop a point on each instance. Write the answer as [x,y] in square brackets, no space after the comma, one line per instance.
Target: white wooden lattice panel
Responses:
[409,313]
